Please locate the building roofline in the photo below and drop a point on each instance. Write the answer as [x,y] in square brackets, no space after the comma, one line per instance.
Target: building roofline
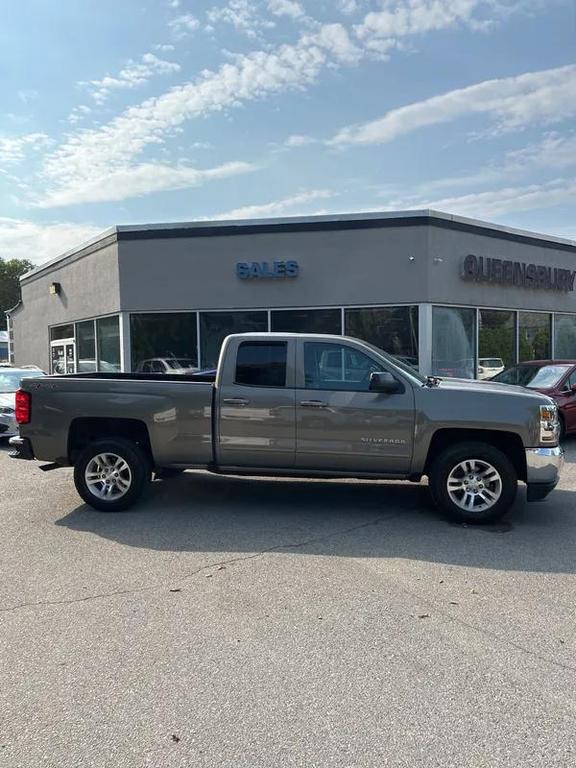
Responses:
[367,220]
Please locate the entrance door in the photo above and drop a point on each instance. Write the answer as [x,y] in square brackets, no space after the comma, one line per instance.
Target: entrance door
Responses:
[62,357]
[256,405]
[340,424]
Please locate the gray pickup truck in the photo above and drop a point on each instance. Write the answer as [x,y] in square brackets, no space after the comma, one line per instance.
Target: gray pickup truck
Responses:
[295,405]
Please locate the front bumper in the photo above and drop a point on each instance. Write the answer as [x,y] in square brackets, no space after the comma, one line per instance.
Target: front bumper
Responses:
[543,467]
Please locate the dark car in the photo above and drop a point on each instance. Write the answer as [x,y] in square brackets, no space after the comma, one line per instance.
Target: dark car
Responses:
[555,378]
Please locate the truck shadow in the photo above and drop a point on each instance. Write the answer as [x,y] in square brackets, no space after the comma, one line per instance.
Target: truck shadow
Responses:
[197,512]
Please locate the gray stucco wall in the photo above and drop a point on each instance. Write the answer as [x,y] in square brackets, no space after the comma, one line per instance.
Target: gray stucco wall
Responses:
[89,287]
[445,284]
[340,267]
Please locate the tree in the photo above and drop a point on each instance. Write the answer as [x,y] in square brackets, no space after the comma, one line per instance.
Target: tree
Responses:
[10,272]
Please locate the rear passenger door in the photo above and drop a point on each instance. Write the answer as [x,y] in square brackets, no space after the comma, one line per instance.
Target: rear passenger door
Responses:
[256,416]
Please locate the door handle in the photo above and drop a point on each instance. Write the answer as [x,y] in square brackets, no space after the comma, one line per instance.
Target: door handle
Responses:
[238,401]
[313,404]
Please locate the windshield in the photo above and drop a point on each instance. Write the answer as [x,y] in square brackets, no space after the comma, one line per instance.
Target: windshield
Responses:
[532,376]
[179,363]
[10,380]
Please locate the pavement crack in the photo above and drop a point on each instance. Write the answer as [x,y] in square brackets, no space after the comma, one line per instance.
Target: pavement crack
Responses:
[206,567]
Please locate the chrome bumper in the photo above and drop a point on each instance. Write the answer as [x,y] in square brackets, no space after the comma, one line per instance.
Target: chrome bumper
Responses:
[544,465]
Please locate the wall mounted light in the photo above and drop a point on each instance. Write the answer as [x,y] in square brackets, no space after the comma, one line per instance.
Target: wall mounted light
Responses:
[55,289]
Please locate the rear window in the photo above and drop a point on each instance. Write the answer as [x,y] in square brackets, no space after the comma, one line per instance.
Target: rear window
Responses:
[262,364]
[491,362]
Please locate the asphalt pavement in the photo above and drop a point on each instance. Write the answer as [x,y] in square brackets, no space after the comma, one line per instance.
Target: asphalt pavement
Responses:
[246,623]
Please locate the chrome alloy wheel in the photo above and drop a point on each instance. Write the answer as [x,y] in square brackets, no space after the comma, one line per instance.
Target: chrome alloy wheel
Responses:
[474,485]
[108,476]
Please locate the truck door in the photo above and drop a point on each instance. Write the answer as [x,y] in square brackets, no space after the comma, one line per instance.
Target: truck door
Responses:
[256,404]
[340,424]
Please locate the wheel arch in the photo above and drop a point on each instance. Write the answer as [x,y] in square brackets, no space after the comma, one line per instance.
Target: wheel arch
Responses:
[84,431]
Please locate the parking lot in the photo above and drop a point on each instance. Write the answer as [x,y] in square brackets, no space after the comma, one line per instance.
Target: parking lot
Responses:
[244,622]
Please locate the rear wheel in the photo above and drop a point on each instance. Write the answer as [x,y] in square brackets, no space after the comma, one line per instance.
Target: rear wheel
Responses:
[111,475]
[473,483]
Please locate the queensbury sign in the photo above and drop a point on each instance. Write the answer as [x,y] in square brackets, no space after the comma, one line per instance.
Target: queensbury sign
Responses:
[249,270]
[483,269]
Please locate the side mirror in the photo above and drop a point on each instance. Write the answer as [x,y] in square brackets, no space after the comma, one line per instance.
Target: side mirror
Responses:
[384,382]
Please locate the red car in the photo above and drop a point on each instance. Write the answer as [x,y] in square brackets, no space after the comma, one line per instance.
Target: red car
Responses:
[555,378]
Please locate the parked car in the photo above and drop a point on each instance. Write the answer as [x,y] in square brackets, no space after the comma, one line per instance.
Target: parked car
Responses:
[555,378]
[177,365]
[488,367]
[10,379]
[281,405]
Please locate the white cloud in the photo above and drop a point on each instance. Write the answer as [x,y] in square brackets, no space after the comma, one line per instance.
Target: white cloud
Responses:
[183,25]
[138,180]
[173,3]
[243,15]
[498,202]
[290,8]
[294,205]
[13,149]
[134,74]
[25,239]
[164,47]
[299,140]
[78,114]
[514,102]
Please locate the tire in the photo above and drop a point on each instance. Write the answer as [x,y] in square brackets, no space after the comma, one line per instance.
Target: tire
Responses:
[483,493]
[167,473]
[133,474]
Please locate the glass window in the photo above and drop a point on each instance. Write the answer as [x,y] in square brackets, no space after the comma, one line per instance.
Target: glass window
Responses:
[337,366]
[496,341]
[262,364]
[564,337]
[86,346]
[534,336]
[108,332]
[307,321]
[215,326]
[571,381]
[453,342]
[164,335]
[393,329]
[534,376]
[62,332]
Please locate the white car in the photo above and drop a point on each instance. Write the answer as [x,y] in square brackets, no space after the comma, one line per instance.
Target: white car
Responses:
[9,382]
[489,366]
[176,365]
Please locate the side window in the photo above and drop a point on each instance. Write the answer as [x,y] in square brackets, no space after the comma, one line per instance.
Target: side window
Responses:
[262,364]
[336,366]
[146,368]
[571,381]
[158,367]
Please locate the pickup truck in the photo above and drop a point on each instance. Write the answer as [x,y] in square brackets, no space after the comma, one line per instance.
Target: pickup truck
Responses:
[295,405]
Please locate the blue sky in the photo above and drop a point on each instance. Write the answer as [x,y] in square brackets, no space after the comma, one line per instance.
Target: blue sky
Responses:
[166,110]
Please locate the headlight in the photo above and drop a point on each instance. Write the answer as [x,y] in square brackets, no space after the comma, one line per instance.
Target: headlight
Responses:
[6,411]
[549,424]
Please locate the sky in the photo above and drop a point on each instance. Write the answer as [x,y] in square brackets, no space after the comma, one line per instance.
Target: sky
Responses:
[145,111]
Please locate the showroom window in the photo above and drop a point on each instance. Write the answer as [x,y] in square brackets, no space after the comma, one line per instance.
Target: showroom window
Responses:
[534,336]
[393,329]
[169,336]
[453,342]
[108,332]
[337,366]
[496,341]
[62,332]
[307,321]
[565,337]
[215,326]
[86,347]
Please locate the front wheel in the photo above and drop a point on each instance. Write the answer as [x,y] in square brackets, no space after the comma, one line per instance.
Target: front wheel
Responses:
[111,475]
[473,483]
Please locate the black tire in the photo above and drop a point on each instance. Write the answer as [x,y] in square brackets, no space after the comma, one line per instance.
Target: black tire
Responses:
[137,476]
[483,453]
[167,473]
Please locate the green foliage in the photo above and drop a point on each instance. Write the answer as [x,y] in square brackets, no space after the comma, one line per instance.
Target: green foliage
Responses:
[10,272]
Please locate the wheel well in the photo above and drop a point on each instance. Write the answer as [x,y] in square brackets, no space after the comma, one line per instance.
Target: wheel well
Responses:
[508,442]
[84,431]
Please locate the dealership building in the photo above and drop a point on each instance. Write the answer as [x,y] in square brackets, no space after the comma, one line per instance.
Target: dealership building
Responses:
[442,292]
